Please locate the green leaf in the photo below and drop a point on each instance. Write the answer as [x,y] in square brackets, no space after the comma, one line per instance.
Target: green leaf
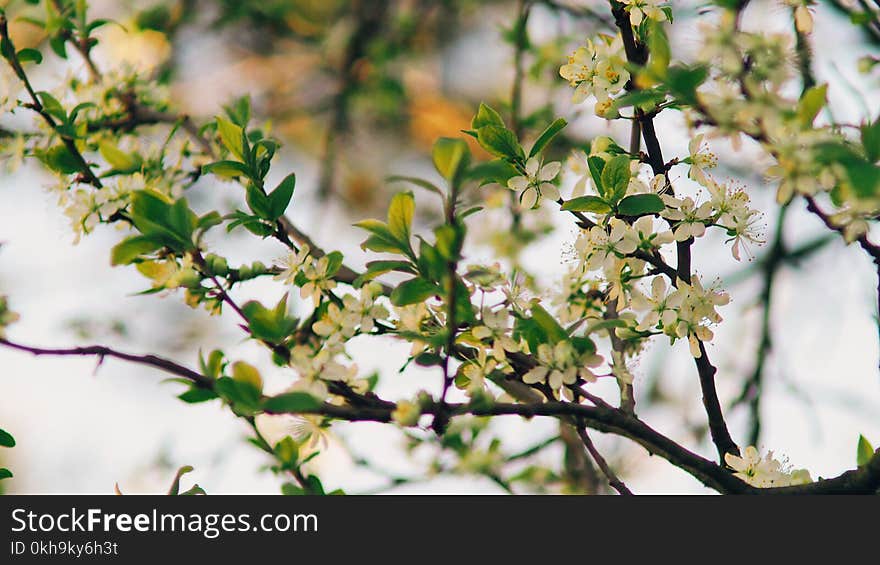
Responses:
[227,169]
[292,403]
[547,136]
[431,263]
[151,214]
[239,111]
[5,473]
[658,47]
[120,161]
[683,81]
[864,451]
[451,158]
[382,240]
[334,262]
[413,291]
[615,178]
[486,116]
[499,141]
[129,249]
[258,201]
[864,177]
[428,359]
[596,165]
[431,187]
[231,136]
[605,325]
[6,439]
[30,55]
[640,204]
[871,140]
[272,325]
[811,103]
[449,241]
[400,216]
[59,159]
[196,395]
[58,43]
[376,268]
[548,323]
[52,106]
[587,204]
[244,398]
[193,491]
[290,489]
[645,99]
[244,372]
[279,200]
[182,220]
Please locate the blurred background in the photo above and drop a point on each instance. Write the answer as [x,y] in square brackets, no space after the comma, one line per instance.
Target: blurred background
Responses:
[359,90]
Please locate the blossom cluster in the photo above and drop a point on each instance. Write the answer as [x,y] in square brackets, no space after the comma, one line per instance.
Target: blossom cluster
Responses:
[597,69]
[765,471]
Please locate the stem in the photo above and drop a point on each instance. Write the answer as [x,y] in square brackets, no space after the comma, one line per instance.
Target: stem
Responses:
[637,54]
[615,483]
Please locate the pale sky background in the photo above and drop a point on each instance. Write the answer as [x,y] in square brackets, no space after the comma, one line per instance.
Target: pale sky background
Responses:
[81,431]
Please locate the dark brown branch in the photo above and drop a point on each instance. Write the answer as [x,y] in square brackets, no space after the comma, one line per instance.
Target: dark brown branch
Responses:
[36,105]
[615,482]
[102,351]
[637,54]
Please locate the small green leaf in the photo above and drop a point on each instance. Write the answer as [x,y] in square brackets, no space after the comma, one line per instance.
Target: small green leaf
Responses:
[291,403]
[486,116]
[381,240]
[864,451]
[244,372]
[596,165]
[196,395]
[231,136]
[290,489]
[615,178]
[5,473]
[413,291]
[6,439]
[811,103]
[499,141]
[193,491]
[683,81]
[279,200]
[52,106]
[451,158]
[127,250]
[258,201]
[640,204]
[59,159]
[449,241]
[658,47]
[120,161]
[58,43]
[548,323]
[400,216]
[547,136]
[376,268]
[871,140]
[431,187]
[30,55]
[587,204]
[226,169]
